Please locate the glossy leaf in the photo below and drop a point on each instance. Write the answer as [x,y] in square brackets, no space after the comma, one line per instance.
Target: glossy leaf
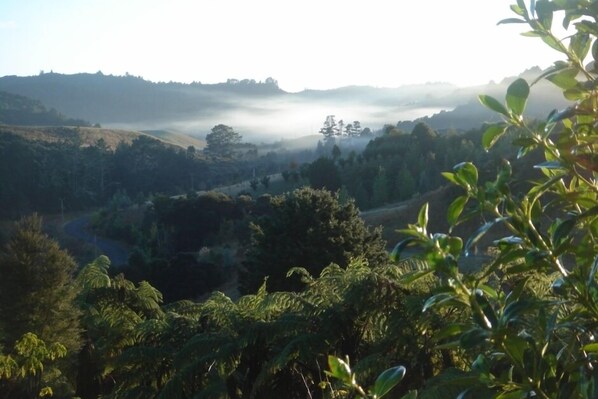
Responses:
[593,347]
[422,216]
[450,177]
[479,233]
[455,209]
[467,172]
[398,249]
[493,104]
[437,299]
[339,369]
[488,317]
[387,380]
[517,95]
[492,134]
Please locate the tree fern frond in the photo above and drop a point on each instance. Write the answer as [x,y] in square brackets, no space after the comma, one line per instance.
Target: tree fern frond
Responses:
[150,298]
[95,274]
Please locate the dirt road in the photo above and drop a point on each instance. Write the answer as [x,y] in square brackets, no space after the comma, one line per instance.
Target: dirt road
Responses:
[116,251]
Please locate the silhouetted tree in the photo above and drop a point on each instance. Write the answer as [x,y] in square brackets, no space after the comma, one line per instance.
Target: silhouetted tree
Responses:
[222,140]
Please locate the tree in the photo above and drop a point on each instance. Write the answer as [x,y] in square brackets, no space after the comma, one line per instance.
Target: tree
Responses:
[222,140]
[528,318]
[323,173]
[424,135]
[37,290]
[330,128]
[307,228]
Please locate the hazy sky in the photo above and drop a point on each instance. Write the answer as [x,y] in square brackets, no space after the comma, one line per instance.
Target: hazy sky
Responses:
[303,44]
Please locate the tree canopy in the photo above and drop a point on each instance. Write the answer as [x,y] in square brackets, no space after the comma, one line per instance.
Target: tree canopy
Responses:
[311,229]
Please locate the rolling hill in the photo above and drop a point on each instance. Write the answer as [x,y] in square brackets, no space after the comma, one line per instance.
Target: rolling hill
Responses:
[261,111]
[87,136]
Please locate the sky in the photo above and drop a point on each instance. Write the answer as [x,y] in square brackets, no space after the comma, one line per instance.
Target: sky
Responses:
[307,44]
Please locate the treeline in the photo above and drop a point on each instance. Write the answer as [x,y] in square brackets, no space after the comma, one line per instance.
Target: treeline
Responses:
[398,165]
[19,110]
[50,177]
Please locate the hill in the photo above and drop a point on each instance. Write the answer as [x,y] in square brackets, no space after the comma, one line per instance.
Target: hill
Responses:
[21,110]
[87,136]
[261,111]
[469,114]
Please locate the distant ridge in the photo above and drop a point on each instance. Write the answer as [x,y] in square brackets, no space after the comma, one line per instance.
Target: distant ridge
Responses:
[261,110]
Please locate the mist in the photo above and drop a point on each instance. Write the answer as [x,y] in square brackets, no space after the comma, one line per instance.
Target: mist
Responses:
[273,119]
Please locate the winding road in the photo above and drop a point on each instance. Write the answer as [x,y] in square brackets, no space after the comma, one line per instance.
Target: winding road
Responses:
[114,250]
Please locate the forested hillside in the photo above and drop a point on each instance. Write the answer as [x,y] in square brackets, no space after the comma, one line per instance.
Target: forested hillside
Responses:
[497,301]
[19,110]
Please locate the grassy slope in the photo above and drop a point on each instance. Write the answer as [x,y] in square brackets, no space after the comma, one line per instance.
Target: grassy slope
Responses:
[90,135]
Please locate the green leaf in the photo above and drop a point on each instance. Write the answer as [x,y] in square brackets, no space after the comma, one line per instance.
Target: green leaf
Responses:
[467,172]
[450,177]
[593,347]
[479,233]
[511,21]
[474,337]
[517,94]
[396,252]
[544,11]
[554,43]
[415,275]
[450,331]
[339,369]
[410,395]
[455,209]
[565,79]
[580,45]
[437,299]
[387,380]
[422,217]
[575,94]
[489,315]
[562,230]
[493,104]
[515,347]
[492,134]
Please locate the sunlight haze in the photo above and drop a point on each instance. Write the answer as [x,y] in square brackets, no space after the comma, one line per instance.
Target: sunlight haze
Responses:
[307,44]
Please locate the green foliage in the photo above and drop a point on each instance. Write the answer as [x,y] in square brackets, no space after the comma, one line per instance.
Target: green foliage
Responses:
[307,228]
[37,300]
[341,370]
[20,371]
[323,174]
[266,345]
[530,315]
[113,311]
